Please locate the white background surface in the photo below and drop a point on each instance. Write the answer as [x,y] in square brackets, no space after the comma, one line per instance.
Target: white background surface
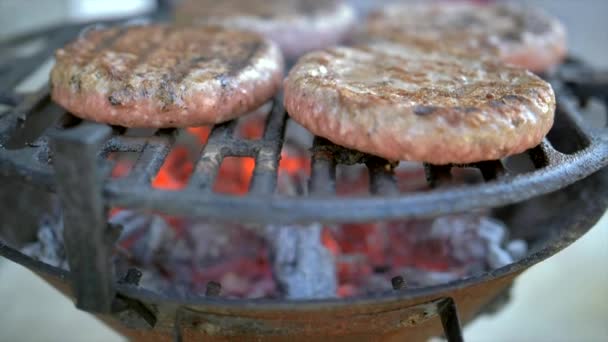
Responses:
[563,299]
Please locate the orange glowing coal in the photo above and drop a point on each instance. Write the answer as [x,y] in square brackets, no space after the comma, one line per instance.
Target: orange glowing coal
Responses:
[202,133]
[176,170]
[234,174]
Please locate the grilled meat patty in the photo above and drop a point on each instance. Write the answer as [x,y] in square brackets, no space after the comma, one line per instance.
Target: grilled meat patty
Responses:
[406,104]
[161,76]
[298,26]
[518,35]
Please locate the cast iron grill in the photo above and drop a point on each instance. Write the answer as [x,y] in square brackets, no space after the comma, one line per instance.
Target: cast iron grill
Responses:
[553,170]
[586,153]
[69,158]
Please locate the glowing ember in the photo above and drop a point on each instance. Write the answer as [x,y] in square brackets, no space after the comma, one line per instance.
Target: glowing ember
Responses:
[294,164]
[176,170]
[202,133]
[234,176]
[252,127]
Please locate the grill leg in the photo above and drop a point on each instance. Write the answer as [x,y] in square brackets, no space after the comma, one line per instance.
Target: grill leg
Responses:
[86,233]
[450,321]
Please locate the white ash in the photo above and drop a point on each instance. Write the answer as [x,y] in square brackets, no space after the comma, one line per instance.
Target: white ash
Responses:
[49,247]
[150,231]
[417,278]
[302,265]
[478,237]
[517,248]
[498,256]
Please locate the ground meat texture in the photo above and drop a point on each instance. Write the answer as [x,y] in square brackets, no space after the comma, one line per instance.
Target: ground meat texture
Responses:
[298,26]
[162,76]
[406,104]
[516,34]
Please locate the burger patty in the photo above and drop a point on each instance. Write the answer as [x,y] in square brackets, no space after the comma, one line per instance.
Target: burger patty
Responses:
[161,76]
[406,104]
[515,34]
[298,26]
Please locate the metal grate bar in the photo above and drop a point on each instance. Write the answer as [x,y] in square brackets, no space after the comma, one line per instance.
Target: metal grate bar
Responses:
[437,175]
[491,170]
[23,164]
[151,159]
[544,155]
[553,171]
[242,148]
[382,179]
[323,170]
[264,179]
[16,116]
[575,121]
[124,144]
[217,148]
[86,234]
[223,132]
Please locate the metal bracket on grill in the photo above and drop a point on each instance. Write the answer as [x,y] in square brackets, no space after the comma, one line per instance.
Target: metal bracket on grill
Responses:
[444,307]
[86,233]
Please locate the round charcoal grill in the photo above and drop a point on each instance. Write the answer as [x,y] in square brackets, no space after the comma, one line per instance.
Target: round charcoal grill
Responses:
[68,157]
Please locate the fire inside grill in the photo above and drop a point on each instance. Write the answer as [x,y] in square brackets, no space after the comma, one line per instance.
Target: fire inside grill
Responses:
[183,255]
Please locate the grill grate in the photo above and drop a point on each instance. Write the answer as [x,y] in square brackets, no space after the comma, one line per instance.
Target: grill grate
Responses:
[553,170]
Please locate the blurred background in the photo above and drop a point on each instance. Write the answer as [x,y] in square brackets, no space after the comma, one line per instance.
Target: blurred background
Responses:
[558,300]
